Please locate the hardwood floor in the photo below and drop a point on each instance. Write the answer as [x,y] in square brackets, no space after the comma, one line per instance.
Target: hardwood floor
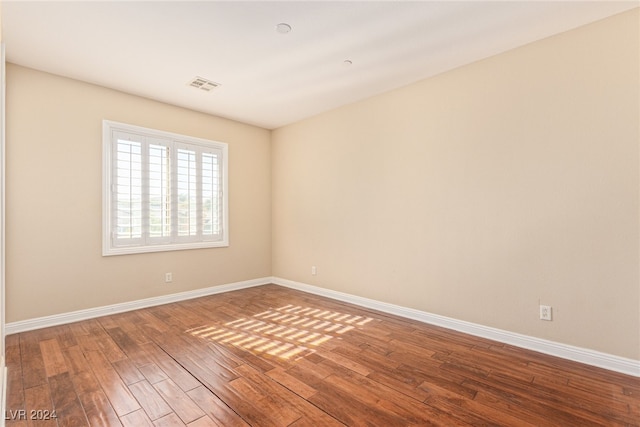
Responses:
[271,356]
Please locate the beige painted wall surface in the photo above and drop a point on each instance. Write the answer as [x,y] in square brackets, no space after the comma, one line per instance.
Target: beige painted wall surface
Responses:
[482,192]
[54,200]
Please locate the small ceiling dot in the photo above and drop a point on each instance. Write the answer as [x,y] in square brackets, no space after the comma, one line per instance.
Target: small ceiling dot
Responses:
[347,62]
[283,28]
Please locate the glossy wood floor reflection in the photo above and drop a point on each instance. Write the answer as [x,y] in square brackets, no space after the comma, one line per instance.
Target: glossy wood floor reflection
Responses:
[271,356]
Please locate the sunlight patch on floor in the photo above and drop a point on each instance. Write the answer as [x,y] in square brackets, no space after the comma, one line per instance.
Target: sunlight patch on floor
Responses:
[287,332]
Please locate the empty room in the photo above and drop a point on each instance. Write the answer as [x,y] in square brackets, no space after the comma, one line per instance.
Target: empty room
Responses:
[349,213]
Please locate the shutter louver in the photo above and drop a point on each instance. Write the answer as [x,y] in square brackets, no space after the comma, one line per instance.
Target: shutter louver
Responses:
[187,193]
[211,195]
[128,194]
[159,191]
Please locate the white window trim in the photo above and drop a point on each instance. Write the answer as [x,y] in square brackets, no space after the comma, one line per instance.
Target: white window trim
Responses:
[108,248]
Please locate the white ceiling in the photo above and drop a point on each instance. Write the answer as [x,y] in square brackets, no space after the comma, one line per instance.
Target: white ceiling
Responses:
[153,48]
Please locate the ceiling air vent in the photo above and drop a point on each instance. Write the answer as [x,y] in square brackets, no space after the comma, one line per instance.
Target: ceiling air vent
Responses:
[203,84]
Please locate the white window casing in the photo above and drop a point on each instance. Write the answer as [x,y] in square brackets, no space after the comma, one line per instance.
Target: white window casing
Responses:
[162,191]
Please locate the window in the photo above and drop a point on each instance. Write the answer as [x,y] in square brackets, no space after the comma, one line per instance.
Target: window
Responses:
[162,191]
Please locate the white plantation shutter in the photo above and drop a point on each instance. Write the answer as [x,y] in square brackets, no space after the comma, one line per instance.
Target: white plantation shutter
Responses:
[211,194]
[187,193]
[162,191]
[127,212]
[160,198]
[199,193]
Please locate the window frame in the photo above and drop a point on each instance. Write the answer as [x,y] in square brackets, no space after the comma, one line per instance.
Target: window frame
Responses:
[147,243]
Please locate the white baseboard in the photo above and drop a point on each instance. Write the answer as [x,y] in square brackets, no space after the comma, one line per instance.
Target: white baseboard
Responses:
[577,354]
[75,316]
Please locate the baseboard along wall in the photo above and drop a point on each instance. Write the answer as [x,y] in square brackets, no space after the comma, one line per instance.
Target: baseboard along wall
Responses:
[577,354]
[91,313]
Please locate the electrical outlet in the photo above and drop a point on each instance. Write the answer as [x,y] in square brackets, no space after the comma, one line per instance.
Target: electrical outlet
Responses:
[168,277]
[545,312]
[314,270]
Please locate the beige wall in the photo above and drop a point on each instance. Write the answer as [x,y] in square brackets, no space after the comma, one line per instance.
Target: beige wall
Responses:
[482,192]
[54,176]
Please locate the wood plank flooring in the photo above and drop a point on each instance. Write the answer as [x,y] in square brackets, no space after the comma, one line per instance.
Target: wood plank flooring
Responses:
[271,356]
